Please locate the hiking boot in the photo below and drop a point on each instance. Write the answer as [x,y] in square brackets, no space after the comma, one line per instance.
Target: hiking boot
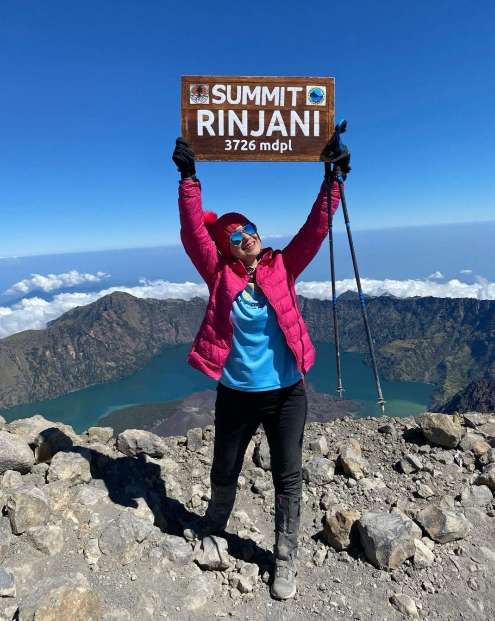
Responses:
[217,514]
[287,517]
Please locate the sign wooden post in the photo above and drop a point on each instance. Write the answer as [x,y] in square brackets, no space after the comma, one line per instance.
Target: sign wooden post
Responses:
[258,118]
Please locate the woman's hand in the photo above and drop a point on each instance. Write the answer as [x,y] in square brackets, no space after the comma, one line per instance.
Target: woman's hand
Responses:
[183,157]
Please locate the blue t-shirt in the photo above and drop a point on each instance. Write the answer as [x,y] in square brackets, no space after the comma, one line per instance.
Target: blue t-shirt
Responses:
[260,358]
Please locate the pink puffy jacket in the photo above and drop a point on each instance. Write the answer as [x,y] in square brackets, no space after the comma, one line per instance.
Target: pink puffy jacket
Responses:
[276,273]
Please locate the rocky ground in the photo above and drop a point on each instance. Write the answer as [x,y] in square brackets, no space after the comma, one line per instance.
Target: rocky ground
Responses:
[398,522]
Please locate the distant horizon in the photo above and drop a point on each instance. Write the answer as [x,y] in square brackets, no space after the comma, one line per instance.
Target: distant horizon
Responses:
[268,237]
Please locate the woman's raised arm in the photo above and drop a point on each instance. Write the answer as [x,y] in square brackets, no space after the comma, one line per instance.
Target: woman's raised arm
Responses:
[301,250]
[197,242]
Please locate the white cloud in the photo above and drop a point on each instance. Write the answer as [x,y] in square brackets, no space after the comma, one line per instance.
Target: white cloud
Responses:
[51,282]
[481,289]
[435,276]
[465,271]
[34,313]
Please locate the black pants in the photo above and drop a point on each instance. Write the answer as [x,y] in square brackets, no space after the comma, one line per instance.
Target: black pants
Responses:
[238,414]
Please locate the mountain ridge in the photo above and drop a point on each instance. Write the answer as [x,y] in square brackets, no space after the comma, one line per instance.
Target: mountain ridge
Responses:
[443,341]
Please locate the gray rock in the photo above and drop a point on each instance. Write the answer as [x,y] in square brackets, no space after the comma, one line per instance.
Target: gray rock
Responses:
[11,479]
[441,429]
[49,442]
[487,477]
[423,556]
[61,598]
[194,439]
[424,491]
[176,550]
[443,525]
[487,458]
[319,446]
[3,422]
[387,538]
[15,453]
[101,435]
[121,537]
[212,553]
[198,591]
[262,486]
[27,507]
[246,579]
[30,428]
[132,442]
[410,463]
[48,538]
[473,419]
[388,429]
[261,454]
[7,583]
[58,495]
[338,528]
[319,471]
[476,496]
[5,537]
[405,604]
[71,467]
[351,460]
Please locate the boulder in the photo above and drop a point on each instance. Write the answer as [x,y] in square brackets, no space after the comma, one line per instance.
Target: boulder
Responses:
[405,605]
[319,471]
[61,598]
[49,442]
[423,556]
[476,496]
[441,429]
[30,428]
[487,477]
[387,538]
[176,550]
[261,454]
[100,435]
[121,537]
[339,527]
[27,507]
[132,442]
[442,524]
[48,538]
[15,453]
[212,553]
[11,479]
[410,463]
[194,439]
[351,460]
[319,446]
[246,579]
[71,467]
[424,491]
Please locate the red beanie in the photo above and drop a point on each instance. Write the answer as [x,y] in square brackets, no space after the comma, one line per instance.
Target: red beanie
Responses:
[221,228]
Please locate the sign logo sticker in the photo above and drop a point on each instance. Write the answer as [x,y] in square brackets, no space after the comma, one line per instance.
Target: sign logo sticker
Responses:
[199,94]
[316,95]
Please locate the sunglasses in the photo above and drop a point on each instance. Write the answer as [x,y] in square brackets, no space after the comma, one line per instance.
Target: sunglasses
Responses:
[237,236]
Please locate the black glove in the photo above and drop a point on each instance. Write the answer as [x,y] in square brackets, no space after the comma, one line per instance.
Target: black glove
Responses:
[183,157]
[340,166]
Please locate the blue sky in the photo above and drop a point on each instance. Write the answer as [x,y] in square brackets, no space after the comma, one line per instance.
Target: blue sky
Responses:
[90,110]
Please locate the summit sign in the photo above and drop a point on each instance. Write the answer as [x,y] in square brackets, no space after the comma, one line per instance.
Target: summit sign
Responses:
[257,118]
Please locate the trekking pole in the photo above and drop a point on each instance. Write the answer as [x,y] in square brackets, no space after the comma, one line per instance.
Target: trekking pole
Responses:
[340,388]
[337,153]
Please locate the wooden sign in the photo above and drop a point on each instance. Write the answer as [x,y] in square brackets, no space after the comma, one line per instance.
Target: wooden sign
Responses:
[257,118]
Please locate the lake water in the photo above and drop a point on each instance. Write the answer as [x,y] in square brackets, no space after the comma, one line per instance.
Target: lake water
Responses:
[168,377]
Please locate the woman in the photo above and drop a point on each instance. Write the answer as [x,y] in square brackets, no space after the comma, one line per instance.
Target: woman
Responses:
[254,342]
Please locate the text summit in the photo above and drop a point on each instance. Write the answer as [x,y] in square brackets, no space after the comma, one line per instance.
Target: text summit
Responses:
[232,122]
